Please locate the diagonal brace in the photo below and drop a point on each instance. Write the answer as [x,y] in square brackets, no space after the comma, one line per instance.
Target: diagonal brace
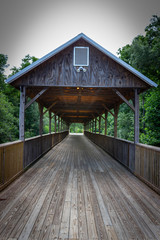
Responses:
[124,99]
[108,110]
[54,103]
[35,98]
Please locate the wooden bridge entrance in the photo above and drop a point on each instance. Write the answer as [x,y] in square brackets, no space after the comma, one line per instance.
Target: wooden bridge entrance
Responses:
[78,191]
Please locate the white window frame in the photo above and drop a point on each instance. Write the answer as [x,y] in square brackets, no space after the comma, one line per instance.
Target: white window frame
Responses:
[82,65]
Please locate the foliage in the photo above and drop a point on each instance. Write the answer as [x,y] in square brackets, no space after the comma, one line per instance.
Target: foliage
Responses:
[76,128]
[8,121]
[151,135]
[144,55]
[9,102]
[26,61]
[125,123]
[32,112]
[110,125]
[32,120]
[3,64]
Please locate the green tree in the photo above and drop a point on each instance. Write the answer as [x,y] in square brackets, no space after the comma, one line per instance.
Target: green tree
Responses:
[8,122]
[144,55]
[76,128]
[32,112]
[125,123]
[3,65]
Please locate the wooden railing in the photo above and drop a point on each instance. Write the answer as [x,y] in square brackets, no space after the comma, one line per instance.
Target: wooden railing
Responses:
[142,160]
[11,161]
[147,165]
[37,146]
[16,156]
[121,150]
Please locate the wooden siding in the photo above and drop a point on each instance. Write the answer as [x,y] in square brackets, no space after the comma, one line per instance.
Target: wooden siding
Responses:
[101,72]
[121,150]
[78,96]
[11,161]
[77,191]
[147,165]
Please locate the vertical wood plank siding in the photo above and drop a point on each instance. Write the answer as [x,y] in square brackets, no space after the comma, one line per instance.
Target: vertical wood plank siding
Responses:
[11,161]
[37,146]
[121,150]
[140,159]
[16,156]
[147,164]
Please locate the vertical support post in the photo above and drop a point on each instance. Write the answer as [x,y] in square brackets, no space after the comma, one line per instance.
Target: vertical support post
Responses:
[55,120]
[92,125]
[99,124]
[61,125]
[116,109]
[106,114]
[22,113]
[95,124]
[50,122]
[58,123]
[136,116]
[41,119]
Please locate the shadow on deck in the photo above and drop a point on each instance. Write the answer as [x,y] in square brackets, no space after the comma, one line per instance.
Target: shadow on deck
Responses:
[78,191]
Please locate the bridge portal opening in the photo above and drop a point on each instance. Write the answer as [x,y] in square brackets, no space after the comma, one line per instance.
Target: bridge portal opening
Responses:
[76,128]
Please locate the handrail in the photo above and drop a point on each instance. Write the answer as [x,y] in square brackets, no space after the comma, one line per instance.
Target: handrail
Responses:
[16,156]
[141,159]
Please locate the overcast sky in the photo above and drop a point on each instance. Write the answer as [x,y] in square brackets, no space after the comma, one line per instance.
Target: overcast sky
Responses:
[37,27]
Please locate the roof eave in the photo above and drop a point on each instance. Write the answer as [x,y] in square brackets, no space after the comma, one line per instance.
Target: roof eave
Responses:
[121,62]
[43,59]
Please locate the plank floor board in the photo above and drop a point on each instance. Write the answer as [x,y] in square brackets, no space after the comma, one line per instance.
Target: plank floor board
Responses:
[77,191]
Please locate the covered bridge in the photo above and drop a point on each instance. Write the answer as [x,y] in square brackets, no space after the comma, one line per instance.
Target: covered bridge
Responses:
[96,198]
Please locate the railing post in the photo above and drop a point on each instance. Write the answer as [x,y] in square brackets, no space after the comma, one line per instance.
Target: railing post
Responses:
[95,124]
[99,124]
[50,122]
[136,116]
[41,119]
[106,114]
[61,124]
[55,127]
[58,123]
[22,113]
[116,109]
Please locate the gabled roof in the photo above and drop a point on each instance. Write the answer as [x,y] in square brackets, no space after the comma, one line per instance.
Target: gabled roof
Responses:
[94,44]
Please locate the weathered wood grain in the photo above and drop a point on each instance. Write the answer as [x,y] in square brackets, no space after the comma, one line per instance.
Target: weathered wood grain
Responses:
[11,161]
[147,165]
[78,191]
[122,150]
[59,71]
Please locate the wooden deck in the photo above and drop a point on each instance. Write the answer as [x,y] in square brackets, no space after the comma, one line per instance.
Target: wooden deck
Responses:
[77,191]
